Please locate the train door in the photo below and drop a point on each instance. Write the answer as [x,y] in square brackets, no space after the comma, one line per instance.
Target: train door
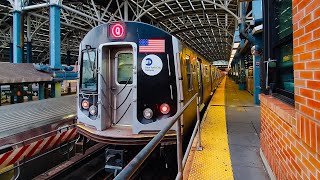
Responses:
[119,80]
[211,80]
[122,86]
[200,81]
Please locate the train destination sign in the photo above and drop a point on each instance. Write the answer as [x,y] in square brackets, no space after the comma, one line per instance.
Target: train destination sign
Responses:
[117,30]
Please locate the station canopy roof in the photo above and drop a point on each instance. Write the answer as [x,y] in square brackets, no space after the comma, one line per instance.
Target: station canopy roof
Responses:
[207,26]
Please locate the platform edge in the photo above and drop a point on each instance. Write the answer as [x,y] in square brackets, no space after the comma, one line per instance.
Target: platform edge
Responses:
[267,166]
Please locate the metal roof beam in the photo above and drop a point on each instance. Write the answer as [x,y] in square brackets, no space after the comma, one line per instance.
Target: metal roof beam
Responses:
[200,27]
[154,6]
[191,12]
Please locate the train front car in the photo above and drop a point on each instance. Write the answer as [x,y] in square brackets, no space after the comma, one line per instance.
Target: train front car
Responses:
[128,83]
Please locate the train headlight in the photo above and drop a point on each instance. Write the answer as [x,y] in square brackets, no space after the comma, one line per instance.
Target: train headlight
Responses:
[93,110]
[147,113]
[164,108]
[85,104]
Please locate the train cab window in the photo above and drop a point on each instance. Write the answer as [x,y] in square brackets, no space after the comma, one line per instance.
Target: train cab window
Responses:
[189,73]
[124,67]
[88,77]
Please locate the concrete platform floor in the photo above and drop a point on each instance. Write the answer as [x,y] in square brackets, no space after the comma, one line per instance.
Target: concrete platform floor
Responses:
[243,126]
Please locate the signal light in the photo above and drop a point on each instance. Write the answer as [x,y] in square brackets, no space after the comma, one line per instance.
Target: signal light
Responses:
[147,113]
[164,108]
[85,104]
[93,110]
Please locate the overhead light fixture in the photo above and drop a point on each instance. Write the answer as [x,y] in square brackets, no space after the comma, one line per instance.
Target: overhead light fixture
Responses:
[236,45]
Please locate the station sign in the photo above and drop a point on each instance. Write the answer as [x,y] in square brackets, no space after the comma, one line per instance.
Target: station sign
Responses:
[117,30]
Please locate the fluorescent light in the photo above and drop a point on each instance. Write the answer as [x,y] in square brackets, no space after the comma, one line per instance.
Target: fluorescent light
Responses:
[236,45]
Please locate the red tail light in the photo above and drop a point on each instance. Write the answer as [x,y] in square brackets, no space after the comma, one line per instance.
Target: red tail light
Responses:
[164,108]
[85,104]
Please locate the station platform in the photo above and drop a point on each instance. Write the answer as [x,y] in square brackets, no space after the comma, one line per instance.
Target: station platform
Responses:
[229,137]
[26,120]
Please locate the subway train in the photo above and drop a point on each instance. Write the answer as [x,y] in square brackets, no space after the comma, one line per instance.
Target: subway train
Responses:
[133,77]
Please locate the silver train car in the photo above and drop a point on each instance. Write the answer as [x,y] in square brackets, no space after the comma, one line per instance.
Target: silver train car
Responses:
[132,77]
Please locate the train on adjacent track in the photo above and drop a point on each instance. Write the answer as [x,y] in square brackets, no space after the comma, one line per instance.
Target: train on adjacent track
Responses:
[133,76]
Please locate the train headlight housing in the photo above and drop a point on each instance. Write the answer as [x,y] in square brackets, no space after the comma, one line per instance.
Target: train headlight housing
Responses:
[164,108]
[85,104]
[93,110]
[147,113]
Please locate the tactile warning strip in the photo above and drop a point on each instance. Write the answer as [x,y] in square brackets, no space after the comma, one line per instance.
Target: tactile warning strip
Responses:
[213,162]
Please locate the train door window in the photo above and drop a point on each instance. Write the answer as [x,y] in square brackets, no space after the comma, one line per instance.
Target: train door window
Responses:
[189,73]
[124,67]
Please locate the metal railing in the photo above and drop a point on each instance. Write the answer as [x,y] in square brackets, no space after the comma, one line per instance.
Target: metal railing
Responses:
[137,161]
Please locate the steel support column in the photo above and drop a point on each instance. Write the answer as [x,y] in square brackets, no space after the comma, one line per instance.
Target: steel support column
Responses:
[55,44]
[29,41]
[41,91]
[126,16]
[17,50]
[257,16]
[30,92]
[242,74]
[55,57]
[52,90]
[256,78]
[11,52]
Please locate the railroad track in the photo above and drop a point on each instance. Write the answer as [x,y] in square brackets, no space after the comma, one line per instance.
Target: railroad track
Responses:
[90,166]
[70,167]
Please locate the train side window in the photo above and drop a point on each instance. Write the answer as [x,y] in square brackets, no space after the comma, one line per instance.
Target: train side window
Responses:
[124,66]
[207,74]
[189,73]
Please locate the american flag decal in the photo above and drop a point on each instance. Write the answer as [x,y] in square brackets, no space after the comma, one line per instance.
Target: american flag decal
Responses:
[151,45]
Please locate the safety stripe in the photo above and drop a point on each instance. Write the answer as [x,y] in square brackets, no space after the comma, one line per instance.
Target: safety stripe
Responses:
[34,148]
[18,155]
[214,161]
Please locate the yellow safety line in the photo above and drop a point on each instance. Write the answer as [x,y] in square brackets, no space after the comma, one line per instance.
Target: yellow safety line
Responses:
[213,162]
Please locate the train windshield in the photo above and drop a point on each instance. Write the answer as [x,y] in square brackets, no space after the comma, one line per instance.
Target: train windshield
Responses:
[88,78]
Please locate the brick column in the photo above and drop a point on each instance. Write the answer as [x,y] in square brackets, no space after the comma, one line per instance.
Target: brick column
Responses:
[306,34]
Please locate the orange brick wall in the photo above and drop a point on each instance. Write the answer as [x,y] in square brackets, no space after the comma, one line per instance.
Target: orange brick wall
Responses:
[306,34]
[287,154]
[290,136]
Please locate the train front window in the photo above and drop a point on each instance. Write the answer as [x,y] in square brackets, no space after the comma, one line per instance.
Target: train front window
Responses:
[88,78]
[125,65]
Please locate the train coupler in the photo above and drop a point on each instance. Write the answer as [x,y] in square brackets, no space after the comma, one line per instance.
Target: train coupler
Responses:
[80,144]
[114,161]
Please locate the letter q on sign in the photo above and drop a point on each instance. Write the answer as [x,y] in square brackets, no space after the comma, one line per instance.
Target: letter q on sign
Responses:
[117,30]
